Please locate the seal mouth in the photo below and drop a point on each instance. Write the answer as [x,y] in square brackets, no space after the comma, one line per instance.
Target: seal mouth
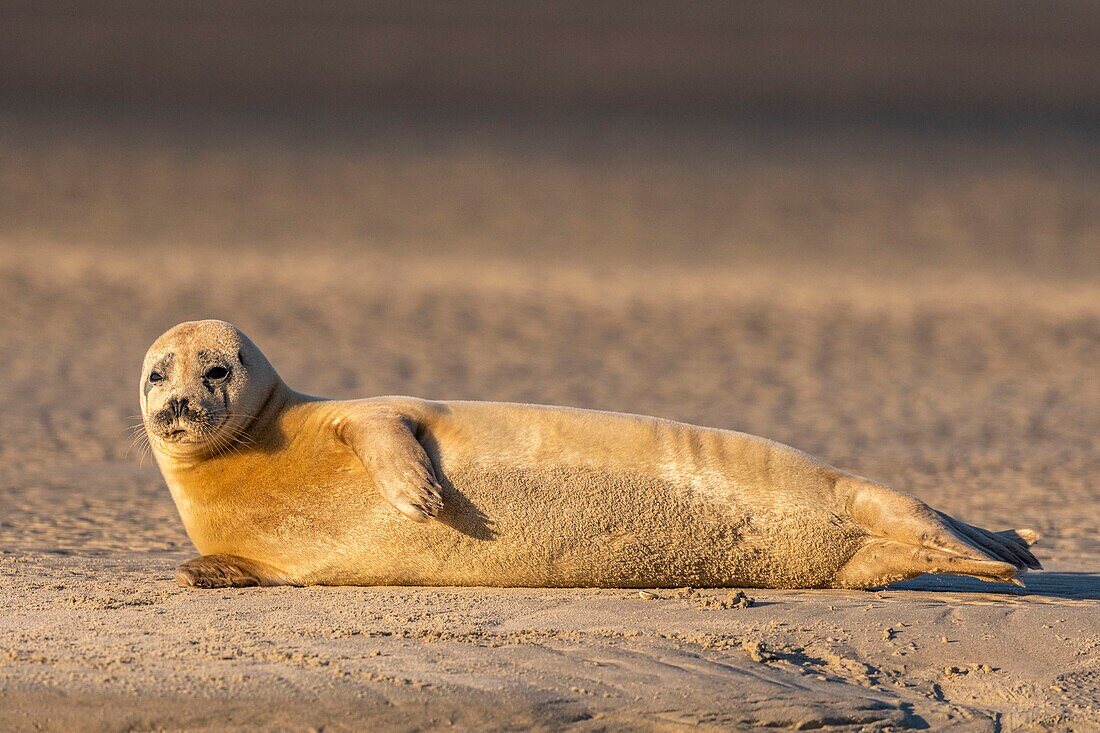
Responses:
[178,431]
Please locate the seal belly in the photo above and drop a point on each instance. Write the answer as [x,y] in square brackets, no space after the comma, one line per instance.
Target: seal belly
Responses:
[588,527]
[544,496]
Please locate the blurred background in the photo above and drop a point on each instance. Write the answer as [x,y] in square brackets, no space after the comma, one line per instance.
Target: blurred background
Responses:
[871,230]
[888,135]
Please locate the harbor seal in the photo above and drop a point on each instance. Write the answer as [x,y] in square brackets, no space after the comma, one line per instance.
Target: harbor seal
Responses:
[277,487]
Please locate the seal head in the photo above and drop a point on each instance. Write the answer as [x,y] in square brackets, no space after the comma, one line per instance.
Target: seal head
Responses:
[202,385]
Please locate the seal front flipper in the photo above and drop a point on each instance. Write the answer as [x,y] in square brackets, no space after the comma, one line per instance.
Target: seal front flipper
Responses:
[386,446]
[227,571]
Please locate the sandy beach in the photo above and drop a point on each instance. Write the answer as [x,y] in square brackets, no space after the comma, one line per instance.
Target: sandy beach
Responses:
[922,309]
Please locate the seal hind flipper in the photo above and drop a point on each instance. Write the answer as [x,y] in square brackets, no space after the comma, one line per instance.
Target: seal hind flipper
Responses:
[1001,545]
[883,561]
[1025,537]
[908,538]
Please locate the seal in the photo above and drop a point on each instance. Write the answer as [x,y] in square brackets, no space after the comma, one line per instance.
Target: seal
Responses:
[277,487]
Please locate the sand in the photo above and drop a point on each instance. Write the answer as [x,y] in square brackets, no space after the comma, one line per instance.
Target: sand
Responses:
[944,338]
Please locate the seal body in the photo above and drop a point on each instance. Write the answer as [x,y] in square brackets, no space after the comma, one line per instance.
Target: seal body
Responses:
[398,490]
[532,496]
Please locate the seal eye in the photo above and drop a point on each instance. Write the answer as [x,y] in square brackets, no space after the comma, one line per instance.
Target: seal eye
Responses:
[156,377]
[216,373]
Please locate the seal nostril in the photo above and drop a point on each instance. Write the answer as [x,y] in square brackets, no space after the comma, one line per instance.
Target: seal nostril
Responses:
[178,405]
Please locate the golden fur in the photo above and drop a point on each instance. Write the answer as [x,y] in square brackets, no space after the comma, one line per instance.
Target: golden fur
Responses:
[275,487]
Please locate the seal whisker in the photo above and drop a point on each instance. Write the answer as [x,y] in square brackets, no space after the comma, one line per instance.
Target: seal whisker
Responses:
[136,440]
[140,441]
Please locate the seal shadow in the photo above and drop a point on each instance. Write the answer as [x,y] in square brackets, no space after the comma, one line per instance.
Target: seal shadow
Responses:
[1077,586]
[459,512]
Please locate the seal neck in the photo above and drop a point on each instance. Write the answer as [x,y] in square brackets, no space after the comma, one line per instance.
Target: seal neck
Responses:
[270,426]
[277,399]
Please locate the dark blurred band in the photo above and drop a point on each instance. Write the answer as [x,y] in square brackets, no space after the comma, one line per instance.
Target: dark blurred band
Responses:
[975,57]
